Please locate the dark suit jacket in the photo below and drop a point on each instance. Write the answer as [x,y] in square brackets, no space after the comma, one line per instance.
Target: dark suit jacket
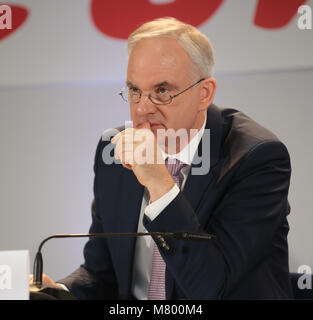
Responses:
[242,200]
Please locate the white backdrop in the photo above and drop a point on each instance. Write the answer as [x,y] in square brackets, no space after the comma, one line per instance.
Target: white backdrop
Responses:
[58,92]
[59,43]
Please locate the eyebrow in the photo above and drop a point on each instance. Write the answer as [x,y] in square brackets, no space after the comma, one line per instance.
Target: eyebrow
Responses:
[165,84]
[130,84]
[160,84]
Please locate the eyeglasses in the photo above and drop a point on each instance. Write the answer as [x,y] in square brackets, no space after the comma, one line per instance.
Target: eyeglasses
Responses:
[133,95]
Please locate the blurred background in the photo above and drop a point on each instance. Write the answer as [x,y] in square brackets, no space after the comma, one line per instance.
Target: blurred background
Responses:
[61,67]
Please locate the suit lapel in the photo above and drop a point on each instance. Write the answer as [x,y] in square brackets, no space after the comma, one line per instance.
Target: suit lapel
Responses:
[130,200]
[196,185]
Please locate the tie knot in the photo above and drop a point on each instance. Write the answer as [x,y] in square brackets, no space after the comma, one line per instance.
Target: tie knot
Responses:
[174,166]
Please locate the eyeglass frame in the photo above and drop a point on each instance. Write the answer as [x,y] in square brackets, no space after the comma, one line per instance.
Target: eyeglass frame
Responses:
[160,104]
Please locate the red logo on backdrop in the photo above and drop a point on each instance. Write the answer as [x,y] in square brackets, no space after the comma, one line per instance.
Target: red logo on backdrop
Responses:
[11,18]
[119,18]
[276,14]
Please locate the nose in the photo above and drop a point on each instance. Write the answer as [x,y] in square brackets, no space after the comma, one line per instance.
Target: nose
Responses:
[145,106]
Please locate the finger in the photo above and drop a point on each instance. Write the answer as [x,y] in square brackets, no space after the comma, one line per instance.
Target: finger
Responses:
[128,137]
[145,125]
[128,131]
[117,151]
[128,158]
[120,152]
[116,137]
[126,146]
[119,147]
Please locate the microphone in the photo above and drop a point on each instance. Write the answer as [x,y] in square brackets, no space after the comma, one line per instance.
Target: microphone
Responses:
[179,235]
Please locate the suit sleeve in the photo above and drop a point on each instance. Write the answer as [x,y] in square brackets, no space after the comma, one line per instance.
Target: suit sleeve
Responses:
[95,279]
[244,222]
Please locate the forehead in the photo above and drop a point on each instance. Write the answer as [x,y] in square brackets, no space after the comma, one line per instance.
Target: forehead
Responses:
[157,59]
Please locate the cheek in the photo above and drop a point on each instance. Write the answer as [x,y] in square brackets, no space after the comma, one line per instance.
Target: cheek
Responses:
[183,116]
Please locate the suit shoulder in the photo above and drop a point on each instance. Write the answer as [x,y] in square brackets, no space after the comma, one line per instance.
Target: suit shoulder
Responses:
[244,130]
[244,136]
[111,132]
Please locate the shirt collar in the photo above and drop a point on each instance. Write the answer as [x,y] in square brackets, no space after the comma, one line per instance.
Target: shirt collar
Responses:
[187,153]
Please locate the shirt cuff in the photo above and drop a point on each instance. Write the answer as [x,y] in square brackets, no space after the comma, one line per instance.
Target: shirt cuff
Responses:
[64,287]
[156,207]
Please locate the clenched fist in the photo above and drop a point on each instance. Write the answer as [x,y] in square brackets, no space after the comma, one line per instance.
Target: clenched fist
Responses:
[139,151]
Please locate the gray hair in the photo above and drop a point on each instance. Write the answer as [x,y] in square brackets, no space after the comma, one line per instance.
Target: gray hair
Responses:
[195,43]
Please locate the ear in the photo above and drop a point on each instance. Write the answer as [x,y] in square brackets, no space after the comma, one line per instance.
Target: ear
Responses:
[207,93]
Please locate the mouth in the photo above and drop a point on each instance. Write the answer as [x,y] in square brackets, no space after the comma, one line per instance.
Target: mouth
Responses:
[155,126]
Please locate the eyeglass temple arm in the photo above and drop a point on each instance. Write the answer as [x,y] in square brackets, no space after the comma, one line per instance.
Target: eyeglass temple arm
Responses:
[187,88]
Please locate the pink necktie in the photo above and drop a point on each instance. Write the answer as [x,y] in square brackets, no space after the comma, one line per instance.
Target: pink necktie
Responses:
[157,280]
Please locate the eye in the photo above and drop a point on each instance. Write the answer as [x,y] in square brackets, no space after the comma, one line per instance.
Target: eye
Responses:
[133,90]
[161,90]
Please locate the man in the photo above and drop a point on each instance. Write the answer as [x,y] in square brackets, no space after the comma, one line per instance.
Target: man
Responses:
[242,198]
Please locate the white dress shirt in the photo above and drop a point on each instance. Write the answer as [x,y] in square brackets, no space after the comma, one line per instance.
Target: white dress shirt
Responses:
[144,245]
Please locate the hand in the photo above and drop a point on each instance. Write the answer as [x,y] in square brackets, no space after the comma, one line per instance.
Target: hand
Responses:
[46,282]
[139,151]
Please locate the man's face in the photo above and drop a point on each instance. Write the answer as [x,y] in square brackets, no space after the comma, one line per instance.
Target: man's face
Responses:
[156,65]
